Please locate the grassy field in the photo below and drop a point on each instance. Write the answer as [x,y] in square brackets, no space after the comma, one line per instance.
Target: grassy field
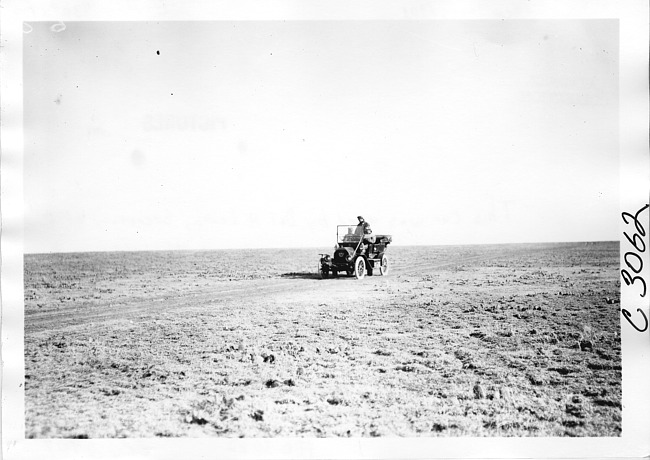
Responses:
[503,340]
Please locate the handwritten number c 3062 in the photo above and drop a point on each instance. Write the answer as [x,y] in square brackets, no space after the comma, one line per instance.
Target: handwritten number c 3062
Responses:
[635,263]
[637,241]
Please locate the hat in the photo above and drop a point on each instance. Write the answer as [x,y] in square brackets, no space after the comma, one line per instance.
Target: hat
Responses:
[361,218]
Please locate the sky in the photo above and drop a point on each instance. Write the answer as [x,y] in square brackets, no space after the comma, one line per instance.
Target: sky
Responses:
[244,134]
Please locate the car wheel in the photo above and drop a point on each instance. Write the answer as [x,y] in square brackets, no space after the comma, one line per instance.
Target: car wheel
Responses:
[383,265]
[359,268]
[324,273]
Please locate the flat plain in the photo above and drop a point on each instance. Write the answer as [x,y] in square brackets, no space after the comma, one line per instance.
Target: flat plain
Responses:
[486,340]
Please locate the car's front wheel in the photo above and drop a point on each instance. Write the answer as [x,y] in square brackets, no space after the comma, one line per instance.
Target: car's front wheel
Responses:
[359,268]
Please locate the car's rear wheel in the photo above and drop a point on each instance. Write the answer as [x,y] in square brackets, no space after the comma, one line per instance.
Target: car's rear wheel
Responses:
[384,266]
[359,268]
[324,272]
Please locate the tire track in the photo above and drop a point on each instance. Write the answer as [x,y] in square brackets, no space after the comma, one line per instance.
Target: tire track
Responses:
[154,298]
[107,311]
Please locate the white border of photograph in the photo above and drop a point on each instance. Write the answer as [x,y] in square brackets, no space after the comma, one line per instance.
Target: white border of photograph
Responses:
[634,186]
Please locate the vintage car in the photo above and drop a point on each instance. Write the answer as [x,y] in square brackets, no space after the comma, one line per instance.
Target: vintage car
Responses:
[356,254]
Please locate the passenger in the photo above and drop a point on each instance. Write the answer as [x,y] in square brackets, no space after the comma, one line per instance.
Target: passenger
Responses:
[349,236]
[363,229]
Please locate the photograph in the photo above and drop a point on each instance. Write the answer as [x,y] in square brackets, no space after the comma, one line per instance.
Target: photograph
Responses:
[289,229]
[322,229]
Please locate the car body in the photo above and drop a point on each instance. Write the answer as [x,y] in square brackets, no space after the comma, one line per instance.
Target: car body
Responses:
[356,254]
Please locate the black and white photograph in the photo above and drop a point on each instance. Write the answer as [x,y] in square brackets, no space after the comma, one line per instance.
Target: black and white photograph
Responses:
[306,228]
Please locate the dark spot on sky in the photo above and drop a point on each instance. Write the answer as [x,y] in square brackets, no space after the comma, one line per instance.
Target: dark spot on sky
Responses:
[158,52]
[57,101]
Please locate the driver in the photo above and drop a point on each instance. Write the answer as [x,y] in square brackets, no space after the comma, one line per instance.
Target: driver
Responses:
[363,228]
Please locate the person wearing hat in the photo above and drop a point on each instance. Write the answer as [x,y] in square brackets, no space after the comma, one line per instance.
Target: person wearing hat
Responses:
[363,229]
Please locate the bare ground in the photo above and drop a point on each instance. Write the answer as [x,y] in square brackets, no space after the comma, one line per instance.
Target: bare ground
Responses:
[510,340]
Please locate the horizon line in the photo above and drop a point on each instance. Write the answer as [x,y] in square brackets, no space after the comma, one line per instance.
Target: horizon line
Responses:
[312,247]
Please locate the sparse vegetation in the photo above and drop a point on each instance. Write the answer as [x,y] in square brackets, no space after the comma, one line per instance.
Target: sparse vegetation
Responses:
[522,341]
